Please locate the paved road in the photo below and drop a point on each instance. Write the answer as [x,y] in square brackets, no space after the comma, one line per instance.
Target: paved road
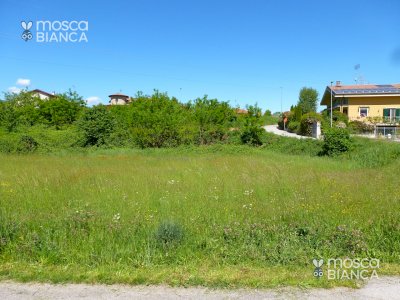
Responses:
[383,288]
[274,129]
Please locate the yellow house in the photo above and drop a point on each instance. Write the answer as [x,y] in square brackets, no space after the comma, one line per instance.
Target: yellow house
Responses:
[366,102]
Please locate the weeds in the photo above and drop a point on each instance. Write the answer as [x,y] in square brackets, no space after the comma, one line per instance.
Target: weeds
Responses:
[189,211]
[169,234]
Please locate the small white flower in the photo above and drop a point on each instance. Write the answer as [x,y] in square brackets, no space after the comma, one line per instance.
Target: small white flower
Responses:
[116,218]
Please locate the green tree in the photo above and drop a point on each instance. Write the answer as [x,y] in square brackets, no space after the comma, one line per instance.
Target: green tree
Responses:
[19,109]
[252,131]
[96,124]
[157,121]
[308,100]
[212,119]
[8,116]
[60,110]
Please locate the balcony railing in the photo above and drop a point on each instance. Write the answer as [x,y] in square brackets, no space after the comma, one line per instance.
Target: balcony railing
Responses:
[391,120]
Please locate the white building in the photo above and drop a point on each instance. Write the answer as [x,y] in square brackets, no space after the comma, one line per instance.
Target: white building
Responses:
[119,99]
[42,94]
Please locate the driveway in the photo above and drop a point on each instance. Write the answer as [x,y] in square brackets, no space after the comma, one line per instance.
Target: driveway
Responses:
[382,288]
[274,129]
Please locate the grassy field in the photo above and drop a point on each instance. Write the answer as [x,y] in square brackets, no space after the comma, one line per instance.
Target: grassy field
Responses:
[215,217]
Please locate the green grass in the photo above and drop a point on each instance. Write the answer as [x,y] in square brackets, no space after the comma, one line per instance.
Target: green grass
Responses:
[270,120]
[244,217]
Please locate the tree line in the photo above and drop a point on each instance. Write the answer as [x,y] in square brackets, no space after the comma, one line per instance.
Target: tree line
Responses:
[150,121]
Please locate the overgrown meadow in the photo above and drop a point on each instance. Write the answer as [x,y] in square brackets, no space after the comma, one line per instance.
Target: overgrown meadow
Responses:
[160,192]
[215,216]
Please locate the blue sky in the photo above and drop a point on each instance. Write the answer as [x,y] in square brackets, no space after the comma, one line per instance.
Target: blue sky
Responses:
[237,51]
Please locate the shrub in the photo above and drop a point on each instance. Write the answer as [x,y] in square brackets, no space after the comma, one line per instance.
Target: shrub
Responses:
[306,123]
[252,132]
[59,111]
[336,141]
[212,119]
[337,116]
[169,233]
[27,144]
[293,126]
[96,125]
[359,127]
[156,121]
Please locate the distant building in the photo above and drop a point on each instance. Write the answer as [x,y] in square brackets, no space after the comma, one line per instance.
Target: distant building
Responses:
[119,99]
[42,94]
[362,102]
[241,111]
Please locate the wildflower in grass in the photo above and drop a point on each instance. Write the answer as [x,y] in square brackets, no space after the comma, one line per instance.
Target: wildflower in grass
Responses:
[116,218]
[248,192]
[173,181]
[248,206]
[115,223]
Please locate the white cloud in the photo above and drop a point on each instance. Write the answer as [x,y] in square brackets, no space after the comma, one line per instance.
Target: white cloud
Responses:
[14,90]
[94,100]
[23,82]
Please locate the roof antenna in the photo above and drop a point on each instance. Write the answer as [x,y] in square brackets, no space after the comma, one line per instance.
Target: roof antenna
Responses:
[357,78]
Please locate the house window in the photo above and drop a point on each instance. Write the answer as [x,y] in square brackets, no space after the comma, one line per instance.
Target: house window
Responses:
[391,115]
[363,111]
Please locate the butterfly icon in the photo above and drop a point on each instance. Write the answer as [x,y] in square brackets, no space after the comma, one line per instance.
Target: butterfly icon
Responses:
[26,35]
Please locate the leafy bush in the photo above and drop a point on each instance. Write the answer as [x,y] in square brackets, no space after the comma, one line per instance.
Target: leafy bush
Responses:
[24,109]
[252,132]
[212,118]
[307,122]
[336,141]
[44,139]
[293,126]
[359,127]
[157,121]
[337,116]
[59,111]
[169,233]
[96,126]
[27,144]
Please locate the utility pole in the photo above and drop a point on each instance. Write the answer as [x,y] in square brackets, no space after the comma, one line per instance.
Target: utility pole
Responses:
[331,104]
[283,118]
[281,103]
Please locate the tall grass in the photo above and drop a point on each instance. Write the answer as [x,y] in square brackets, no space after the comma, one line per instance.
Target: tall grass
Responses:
[101,216]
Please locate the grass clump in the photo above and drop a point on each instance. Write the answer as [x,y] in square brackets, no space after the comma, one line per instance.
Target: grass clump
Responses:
[168,234]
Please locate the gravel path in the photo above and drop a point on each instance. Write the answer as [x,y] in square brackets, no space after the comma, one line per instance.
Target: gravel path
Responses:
[382,288]
[274,129]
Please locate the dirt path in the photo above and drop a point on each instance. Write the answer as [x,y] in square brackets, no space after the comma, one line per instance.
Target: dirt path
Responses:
[274,129]
[382,288]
